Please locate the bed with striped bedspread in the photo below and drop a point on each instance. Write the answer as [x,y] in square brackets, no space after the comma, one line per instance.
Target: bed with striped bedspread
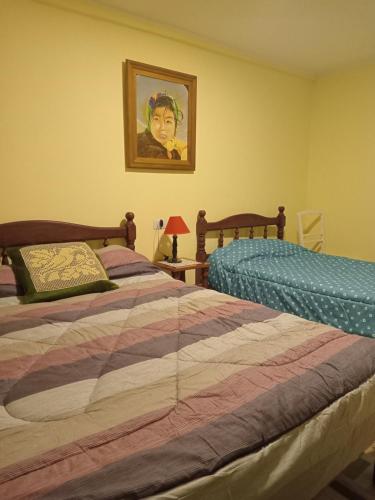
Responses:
[136,391]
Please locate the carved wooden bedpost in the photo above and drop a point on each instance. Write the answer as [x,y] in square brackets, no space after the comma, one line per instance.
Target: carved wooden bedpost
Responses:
[201,255]
[130,230]
[281,223]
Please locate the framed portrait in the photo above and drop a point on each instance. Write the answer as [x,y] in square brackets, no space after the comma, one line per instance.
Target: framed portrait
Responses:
[159,116]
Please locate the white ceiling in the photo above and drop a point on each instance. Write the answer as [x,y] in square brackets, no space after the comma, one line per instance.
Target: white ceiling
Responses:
[309,37]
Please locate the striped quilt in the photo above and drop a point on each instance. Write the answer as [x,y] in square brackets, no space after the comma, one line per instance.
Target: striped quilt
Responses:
[131,392]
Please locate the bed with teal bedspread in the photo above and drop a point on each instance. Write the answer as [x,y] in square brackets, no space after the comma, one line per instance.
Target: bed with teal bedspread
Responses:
[333,290]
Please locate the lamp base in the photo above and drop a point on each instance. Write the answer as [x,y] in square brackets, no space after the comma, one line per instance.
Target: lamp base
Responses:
[173,260]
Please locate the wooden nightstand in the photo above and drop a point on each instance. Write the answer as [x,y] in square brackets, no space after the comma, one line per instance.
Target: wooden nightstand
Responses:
[177,270]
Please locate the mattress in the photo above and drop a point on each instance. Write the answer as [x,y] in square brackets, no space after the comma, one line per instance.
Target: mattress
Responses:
[163,390]
[333,290]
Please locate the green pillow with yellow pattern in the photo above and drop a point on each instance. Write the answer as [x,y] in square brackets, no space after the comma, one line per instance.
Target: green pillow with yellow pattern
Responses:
[58,270]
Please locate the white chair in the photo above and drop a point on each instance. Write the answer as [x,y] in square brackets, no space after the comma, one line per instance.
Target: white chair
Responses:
[310,227]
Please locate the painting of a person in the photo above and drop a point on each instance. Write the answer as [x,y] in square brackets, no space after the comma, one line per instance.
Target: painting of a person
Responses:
[159,140]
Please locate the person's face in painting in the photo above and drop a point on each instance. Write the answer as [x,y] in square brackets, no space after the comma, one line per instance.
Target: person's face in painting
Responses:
[163,124]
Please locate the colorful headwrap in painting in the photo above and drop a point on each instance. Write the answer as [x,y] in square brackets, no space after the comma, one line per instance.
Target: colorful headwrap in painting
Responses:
[163,100]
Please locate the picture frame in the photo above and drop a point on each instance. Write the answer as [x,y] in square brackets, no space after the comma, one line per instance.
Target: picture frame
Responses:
[159,117]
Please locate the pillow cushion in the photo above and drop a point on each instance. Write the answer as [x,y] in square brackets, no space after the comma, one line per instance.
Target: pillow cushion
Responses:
[58,270]
[8,284]
[116,256]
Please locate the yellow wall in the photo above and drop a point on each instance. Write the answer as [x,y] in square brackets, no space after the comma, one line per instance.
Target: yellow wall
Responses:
[62,151]
[341,178]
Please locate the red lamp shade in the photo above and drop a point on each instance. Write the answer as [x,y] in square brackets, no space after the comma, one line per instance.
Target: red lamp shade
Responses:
[176,225]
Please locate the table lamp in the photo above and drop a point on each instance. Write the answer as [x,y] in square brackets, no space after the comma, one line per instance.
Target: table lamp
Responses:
[175,225]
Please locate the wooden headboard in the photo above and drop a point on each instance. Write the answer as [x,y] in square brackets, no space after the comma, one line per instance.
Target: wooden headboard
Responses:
[34,232]
[235,222]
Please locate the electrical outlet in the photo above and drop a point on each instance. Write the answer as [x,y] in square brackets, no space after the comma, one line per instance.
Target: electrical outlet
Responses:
[159,223]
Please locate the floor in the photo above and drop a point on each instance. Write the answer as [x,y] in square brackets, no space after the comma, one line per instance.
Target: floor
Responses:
[360,473]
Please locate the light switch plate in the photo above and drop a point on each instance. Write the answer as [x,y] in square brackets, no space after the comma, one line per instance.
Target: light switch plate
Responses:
[159,223]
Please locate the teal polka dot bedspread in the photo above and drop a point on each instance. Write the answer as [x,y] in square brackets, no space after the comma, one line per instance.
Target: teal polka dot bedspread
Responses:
[333,290]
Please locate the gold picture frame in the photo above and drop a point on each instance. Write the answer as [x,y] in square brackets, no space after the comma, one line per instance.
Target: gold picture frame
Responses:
[159,116]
